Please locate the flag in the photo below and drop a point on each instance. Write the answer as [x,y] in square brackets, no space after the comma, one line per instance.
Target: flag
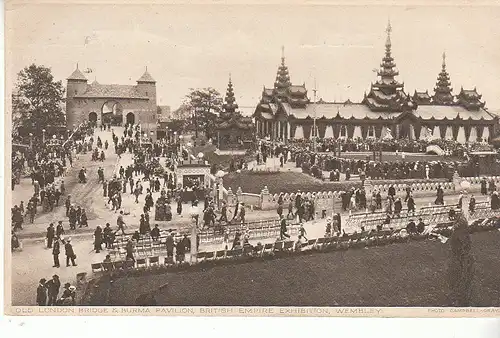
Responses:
[88,71]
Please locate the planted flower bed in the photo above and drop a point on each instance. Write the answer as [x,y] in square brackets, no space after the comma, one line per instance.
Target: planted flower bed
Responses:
[286,182]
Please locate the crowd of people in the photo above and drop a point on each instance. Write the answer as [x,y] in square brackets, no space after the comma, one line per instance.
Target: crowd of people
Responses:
[315,163]
[451,147]
[147,176]
[46,165]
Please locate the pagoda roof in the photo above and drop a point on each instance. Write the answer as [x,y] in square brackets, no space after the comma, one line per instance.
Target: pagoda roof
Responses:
[111,91]
[439,112]
[361,111]
[240,123]
[336,110]
[297,89]
[268,91]
[422,95]
[469,92]
[77,75]
[146,77]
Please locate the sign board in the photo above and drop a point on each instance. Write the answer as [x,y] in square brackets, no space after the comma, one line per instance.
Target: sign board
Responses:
[323,204]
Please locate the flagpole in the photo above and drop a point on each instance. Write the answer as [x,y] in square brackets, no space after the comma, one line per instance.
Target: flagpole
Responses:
[314,121]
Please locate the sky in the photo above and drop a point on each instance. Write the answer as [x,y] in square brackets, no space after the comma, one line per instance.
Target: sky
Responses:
[191,46]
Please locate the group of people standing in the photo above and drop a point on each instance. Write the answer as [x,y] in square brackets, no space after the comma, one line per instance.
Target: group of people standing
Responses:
[47,293]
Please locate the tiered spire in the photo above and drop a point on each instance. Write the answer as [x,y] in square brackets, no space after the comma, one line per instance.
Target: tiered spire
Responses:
[388,71]
[230,106]
[442,92]
[282,77]
[387,94]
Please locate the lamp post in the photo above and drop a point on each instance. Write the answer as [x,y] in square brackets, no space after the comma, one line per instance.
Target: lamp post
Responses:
[219,175]
[194,233]
[43,136]
[31,140]
[180,147]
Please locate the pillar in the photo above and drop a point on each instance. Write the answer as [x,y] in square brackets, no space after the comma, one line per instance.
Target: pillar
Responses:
[461,134]
[449,133]
[357,133]
[486,133]
[194,235]
[436,134]
[329,131]
[473,134]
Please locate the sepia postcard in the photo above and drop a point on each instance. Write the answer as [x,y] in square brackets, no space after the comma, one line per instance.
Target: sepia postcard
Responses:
[313,159]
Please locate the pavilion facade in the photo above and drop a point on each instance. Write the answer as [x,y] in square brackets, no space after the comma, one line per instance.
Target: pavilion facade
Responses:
[285,111]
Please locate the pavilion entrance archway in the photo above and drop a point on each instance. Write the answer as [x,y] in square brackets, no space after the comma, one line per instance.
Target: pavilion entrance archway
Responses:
[130,119]
[112,113]
[93,118]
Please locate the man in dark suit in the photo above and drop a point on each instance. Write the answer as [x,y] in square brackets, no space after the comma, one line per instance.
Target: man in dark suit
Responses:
[70,254]
[236,208]
[41,293]
[53,287]
[50,235]
[283,229]
[56,250]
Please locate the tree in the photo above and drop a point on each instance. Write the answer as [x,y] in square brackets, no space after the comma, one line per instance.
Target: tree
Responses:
[461,266]
[204,106]
[37,103]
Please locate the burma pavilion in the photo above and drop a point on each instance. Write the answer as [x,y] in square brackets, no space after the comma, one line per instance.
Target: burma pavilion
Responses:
[285,111]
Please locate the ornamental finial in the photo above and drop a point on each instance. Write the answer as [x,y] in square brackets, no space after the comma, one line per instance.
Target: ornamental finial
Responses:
[388,31]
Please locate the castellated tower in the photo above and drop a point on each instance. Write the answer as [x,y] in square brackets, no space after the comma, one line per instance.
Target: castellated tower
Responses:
[146,86]
[76,85]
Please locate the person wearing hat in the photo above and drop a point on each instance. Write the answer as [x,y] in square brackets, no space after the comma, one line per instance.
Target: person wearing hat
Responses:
[50,235]
[70,254]
[56,250]
[41,293]
[495,201]
[242,213]
[420,226]
[53,287]
[68,295]
[107,232]
[328,229]
[68,204]
[472,204]
[411,227]
[59,229]
[302,233]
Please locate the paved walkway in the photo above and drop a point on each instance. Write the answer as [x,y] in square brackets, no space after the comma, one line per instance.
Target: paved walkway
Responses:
[35,262]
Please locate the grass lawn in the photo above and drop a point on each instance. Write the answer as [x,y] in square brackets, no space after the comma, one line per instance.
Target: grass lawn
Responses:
[286,182]
[405,274]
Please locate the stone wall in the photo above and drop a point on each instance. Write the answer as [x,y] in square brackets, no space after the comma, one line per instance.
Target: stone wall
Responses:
[331,200]
[475,183]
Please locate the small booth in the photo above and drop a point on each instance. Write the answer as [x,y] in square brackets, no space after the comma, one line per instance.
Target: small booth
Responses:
[194,178]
